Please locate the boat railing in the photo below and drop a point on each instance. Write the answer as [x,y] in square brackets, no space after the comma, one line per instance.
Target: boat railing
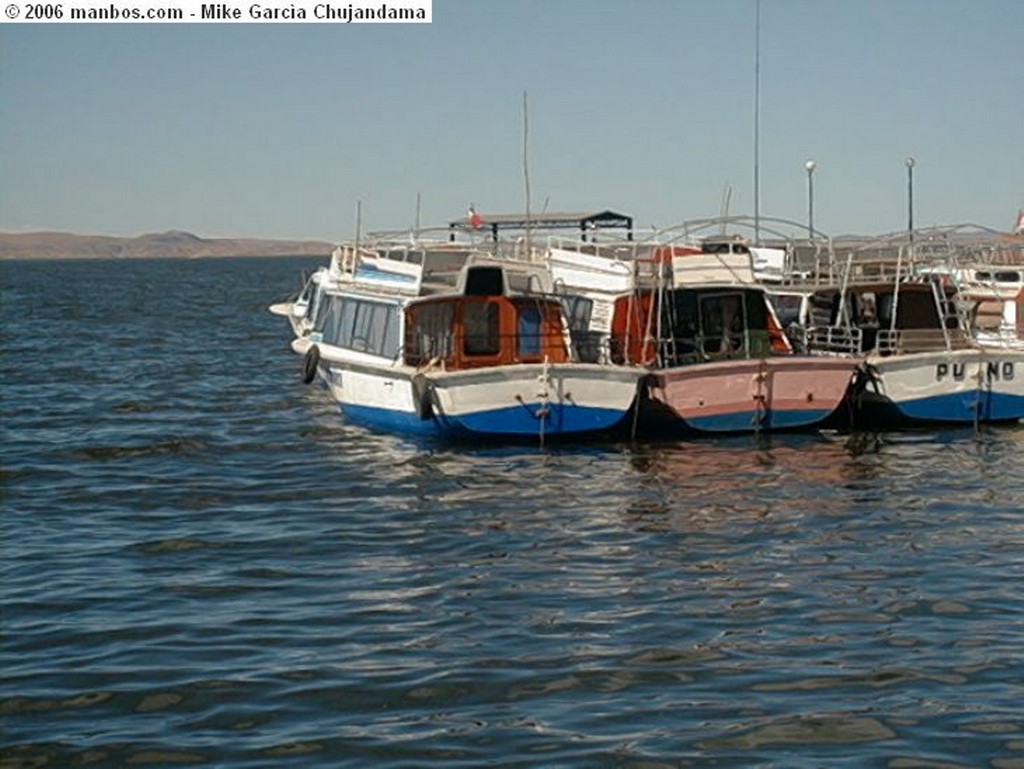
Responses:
[1006,337]
[617,249]
[750,344]
[831,340]
[908,341]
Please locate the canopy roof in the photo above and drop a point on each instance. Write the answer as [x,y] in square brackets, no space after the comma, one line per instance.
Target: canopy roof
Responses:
[582,220]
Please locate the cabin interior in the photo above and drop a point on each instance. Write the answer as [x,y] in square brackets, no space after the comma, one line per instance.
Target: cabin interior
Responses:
[889,320]
[691,325]
[488,324]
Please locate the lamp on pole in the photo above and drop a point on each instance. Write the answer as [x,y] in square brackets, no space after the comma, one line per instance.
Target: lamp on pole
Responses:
[910,198]
[810,165]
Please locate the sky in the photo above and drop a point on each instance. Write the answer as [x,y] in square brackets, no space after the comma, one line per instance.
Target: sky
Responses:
[645,107]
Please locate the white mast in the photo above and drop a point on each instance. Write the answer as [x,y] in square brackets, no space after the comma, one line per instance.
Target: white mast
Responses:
[526,176]
[757,122]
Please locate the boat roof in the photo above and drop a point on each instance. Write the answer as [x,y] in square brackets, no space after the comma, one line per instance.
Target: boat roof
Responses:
[406,273]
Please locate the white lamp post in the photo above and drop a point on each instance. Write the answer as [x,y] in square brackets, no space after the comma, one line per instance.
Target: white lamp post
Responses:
[910,198]
[810,165]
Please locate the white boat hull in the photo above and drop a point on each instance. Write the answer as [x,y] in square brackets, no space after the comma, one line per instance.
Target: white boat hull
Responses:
[959,386]
[376,394]
[533,400]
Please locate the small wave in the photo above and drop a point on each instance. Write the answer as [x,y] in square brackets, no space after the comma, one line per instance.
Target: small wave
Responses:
[133,407]
[163,757]
[828,729]
[877,680]
[46,705]
[293,749]
[174,446]
[176,545]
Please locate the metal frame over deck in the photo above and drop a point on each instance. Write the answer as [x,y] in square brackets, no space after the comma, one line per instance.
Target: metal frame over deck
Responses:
[584,221]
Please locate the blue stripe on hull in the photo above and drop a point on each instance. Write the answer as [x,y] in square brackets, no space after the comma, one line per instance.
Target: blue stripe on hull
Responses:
[524,421]
[390,420]
[955,408]
[746,421]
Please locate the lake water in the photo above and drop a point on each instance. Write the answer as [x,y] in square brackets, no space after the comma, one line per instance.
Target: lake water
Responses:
[204,565]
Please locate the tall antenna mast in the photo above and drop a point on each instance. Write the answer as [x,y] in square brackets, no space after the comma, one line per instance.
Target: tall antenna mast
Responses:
[757,122]
[526,173]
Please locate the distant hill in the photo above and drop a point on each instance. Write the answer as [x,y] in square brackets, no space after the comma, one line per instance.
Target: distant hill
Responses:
[63,245]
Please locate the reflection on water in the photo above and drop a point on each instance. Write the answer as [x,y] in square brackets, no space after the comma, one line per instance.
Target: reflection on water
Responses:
[205,565]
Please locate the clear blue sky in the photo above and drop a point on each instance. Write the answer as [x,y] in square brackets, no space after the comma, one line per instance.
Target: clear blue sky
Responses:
[642,106]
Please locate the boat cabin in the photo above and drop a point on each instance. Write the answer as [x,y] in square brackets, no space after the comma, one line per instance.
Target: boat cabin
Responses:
[691,325]
[463,332]
[887,318]
[498,317]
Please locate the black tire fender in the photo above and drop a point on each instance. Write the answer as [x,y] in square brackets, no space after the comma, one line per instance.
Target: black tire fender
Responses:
[310,362]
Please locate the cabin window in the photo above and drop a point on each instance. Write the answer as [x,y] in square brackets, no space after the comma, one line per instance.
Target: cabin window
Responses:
[883,307]
[524,284]
[530,332]
[342,336]
[723,322]
[316,304]
[307,297]
[361,325]
[788,309]
[327,318]
[917,311]
[481,321]
[859,310]
[375,328]
[485,281]
[389,338]
[988,316]
[578,311]
[867,310]
[755,311]
[430,333]
[679,324]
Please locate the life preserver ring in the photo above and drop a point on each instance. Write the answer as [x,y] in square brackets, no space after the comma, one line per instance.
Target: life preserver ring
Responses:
[309,364]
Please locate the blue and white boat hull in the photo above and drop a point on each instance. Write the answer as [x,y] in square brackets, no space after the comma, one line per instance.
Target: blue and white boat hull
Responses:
[385,397]
[533,400]
[968,386]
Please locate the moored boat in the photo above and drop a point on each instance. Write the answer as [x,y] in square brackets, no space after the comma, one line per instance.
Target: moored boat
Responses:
[920,363]
[696,319]
[444,340]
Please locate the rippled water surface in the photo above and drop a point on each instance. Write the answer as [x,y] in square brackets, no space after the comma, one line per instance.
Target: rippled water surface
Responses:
[203,564]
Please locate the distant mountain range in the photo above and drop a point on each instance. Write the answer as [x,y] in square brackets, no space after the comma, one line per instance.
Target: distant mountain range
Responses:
[63,245]
[185,245]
